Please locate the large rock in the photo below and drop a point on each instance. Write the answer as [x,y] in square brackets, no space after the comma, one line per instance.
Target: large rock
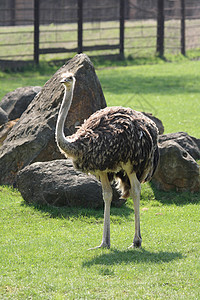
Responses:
[57,183]
[3,117]
[5,129]
[177,169]
[187,142]
[157,121]
[16,102]
[32,139]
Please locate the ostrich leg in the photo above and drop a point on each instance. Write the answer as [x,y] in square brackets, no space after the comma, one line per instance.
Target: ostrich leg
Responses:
[107,196]
[135,194]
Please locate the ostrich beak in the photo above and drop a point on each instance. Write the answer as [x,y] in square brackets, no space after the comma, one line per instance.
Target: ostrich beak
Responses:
[63,80]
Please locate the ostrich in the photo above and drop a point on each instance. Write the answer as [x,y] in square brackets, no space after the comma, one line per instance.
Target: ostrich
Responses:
[114,143]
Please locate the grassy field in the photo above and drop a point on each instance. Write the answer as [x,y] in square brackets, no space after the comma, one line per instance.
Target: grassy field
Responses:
[170,91]
[43,251]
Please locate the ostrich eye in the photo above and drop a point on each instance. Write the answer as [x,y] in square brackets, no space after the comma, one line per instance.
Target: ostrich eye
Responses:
[70,77]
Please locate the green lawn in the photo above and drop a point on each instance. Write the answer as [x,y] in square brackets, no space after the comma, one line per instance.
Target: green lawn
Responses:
[170,91]
[43,250]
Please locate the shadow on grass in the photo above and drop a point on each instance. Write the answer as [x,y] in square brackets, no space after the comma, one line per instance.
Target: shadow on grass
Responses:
[161,84]
[77,212]
[137,256]
[125,211]
[177,198]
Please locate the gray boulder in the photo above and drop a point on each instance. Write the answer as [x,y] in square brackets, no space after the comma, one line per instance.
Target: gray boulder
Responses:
[177,169]
[5,129]
[16,102]
[57,183]
[158,122]
[3,117]
[187,142]
[32,139]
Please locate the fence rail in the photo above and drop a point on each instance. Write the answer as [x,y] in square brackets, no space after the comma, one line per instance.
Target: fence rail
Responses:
[47,28]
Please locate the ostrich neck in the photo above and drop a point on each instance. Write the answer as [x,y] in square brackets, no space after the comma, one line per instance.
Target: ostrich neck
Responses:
[63,143]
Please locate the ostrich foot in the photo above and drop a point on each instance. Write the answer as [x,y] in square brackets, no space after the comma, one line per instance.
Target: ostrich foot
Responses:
[137,242]
[102,245]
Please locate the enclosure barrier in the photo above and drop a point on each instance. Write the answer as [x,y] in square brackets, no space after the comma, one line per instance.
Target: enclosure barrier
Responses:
[43,27]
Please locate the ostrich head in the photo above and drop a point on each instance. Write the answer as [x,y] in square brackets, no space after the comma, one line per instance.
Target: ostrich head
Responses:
[67,79]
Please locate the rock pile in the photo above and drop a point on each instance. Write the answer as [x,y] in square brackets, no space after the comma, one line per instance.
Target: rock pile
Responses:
[30,157]
[32,139]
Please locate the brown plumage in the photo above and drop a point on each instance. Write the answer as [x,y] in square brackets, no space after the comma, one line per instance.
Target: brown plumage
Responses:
[114,136]
[113,143]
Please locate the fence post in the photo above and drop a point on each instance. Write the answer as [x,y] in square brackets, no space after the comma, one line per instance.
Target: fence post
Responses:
[80,26]
[36,31]
[121,38]
[160,27]
[13,16]
[183,27]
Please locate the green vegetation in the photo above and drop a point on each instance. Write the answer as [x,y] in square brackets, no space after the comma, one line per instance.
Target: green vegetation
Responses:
[170,91]
[43,250]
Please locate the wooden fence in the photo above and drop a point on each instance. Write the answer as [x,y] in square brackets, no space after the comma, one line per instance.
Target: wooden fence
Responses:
[116,26]
[80,48]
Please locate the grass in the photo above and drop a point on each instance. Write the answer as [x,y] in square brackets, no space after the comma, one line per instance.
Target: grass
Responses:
[170,91]
[43,251]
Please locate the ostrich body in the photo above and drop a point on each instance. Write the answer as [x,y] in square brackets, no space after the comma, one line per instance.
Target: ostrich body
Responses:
[114,143]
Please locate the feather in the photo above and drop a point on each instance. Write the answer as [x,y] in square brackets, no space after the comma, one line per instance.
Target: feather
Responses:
[113,136]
